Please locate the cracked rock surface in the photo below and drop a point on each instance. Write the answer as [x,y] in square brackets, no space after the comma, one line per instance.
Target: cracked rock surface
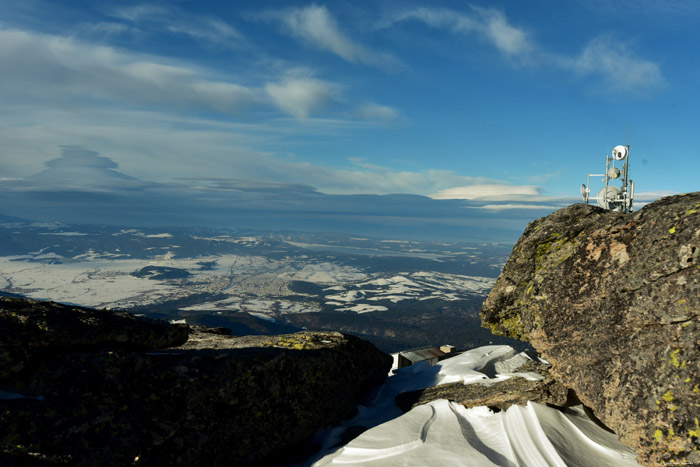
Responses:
[613,302]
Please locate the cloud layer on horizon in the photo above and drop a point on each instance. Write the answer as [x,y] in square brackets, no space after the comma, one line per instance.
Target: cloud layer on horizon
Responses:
[107,196]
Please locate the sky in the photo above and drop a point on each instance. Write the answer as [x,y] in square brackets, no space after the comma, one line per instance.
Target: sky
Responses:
[442,118]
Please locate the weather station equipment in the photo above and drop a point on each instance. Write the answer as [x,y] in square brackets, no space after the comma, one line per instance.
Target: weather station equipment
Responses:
[612,197]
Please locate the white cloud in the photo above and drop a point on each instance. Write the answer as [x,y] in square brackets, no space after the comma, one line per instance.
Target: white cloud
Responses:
[507,38]
[162,146]
[508,206]
[315,25]
[57,69]
[104,29]
[72,73]
[300,96]
[375,112]
[140,12]
[649,196]
[613,61]
[488,192]
[621,69]
[654,8]
[211,31]
[489,24]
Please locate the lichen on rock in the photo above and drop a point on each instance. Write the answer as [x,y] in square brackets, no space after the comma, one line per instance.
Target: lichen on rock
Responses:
[612,300]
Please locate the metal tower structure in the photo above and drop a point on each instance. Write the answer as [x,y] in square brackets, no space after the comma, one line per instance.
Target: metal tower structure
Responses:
[611,197]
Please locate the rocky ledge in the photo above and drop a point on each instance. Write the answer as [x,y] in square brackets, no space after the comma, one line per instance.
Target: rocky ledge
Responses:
[88,387]
[517,390]
[612,300]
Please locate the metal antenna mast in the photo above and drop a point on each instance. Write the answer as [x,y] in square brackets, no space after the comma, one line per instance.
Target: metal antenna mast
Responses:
[610,196]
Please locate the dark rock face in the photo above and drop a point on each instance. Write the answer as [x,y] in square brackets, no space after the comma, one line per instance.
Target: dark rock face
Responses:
[613,302]
[30,328]
[214,400]
[501,395]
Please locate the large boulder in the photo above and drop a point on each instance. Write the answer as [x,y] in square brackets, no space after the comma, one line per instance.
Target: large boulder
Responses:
[84,395]
[612,300]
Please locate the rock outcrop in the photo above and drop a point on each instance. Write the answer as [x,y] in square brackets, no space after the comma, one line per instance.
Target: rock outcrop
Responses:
[613,302]
[513,391]
[87,387]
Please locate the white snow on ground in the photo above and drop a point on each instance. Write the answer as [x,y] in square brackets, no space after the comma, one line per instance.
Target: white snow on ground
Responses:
[96,283]
[325,273]
[364,308]
[349,296]
[64,234]
[255,307]
[104,279]
[447,434]
[417,284]
[262,316]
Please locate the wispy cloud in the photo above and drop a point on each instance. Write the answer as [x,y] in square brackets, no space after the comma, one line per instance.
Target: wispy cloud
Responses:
[488,192]
[55,68]
[375,112]
[645,7]
[315,25]
[247,185]
[520,206]
[73,72]
[614,61]
[621,69]
[488,24]
[300,95]
[171,19]
[105,29]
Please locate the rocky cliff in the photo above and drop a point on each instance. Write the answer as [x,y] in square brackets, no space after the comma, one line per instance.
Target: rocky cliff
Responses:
[87,387]
[613,302]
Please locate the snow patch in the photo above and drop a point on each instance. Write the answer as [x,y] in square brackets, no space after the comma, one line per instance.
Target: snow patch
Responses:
[364,308]
[446,433]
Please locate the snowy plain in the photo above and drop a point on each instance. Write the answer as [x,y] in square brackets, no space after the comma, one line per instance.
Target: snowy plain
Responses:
[444,433]
[248,283]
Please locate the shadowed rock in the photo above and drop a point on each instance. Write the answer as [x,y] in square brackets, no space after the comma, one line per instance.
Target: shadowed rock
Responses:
[613,302]
[213,400]
[31,327]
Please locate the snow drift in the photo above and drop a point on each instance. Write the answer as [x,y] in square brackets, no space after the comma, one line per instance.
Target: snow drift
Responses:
[447,434]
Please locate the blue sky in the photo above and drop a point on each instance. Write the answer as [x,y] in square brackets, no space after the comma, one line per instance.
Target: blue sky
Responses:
[503,106]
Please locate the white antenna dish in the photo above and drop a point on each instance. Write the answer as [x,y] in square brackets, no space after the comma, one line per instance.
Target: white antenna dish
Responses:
[619,153]
[609,197]
[613,172]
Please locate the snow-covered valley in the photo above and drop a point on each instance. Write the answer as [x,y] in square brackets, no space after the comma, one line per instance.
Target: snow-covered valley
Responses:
[396,293]
[249,283]
[127,268]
